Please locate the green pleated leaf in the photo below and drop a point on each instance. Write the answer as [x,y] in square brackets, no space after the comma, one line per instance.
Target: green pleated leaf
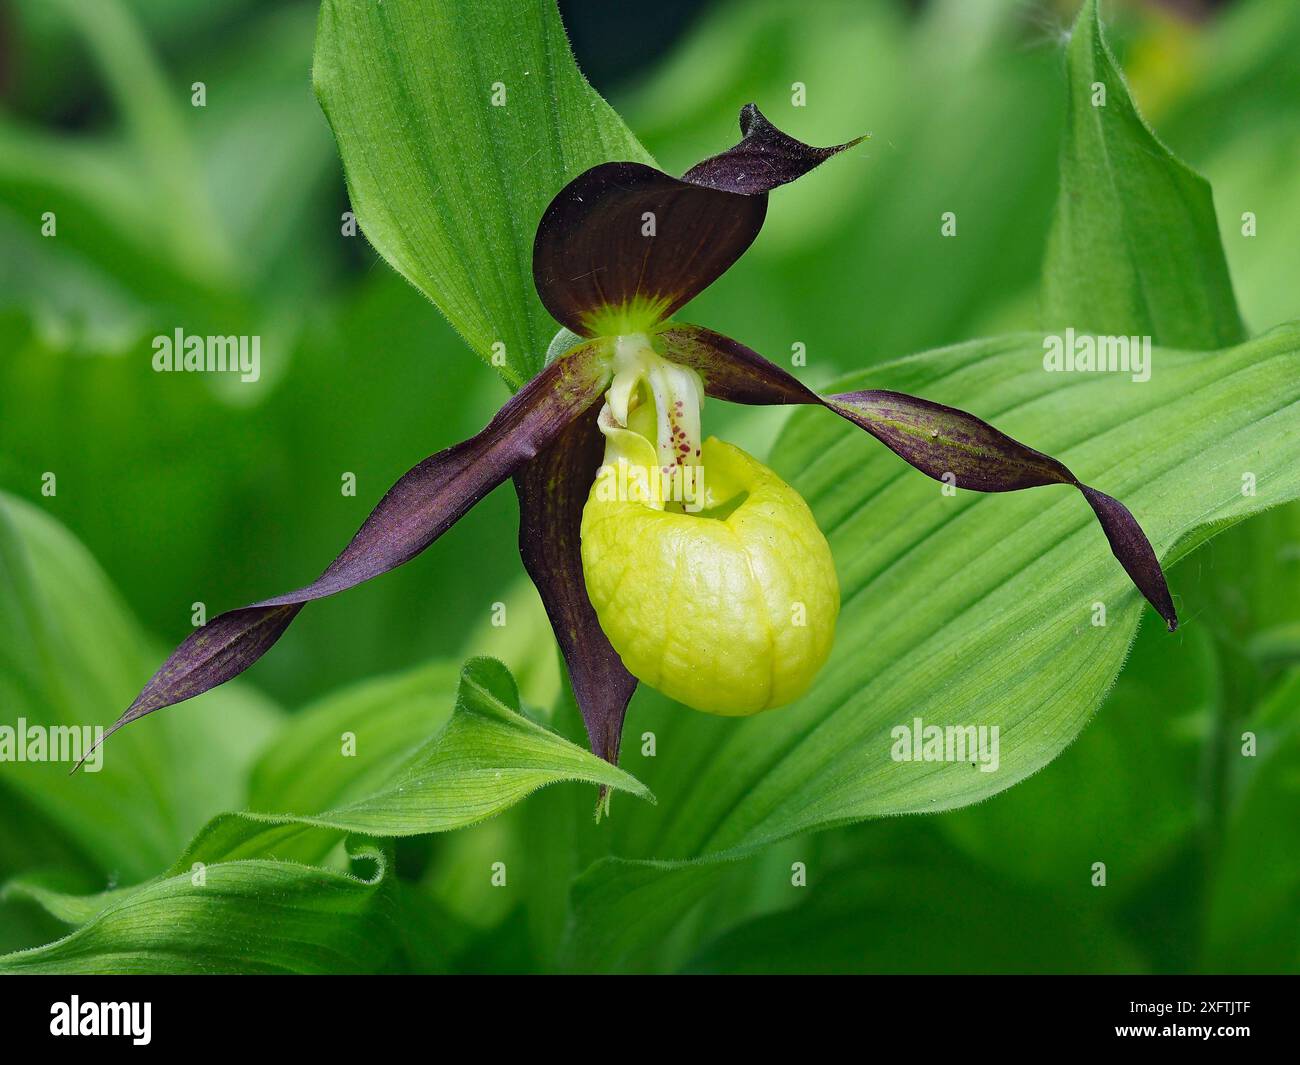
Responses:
[457,123]
[487,758]
[349,744]
[968,609]
[65,906]
[1126,792]
[265,878]
[256,916]
[70,652]
[1135,247]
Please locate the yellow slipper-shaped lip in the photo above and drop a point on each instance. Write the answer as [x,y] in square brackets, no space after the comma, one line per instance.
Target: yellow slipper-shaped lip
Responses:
[730,610]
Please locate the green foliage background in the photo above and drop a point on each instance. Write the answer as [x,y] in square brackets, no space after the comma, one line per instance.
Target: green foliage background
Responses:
[177,489]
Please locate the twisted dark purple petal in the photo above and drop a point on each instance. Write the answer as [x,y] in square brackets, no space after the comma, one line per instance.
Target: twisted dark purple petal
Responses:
[1134,551]
[624,241]
[732,371]
[419,508]
[552,490]
[942,442]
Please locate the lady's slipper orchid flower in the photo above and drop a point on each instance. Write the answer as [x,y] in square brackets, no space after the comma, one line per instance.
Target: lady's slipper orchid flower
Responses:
[658,554]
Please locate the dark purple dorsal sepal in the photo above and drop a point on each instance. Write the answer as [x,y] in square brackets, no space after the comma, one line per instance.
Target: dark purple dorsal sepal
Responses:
[622,246]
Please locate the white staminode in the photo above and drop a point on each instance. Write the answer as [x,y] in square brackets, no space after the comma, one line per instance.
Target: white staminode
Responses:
[677,393]
[653,432]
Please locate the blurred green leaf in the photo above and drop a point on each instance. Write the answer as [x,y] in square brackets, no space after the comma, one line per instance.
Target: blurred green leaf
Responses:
[159,148]
[1238,121]
[948,918]
[621,909]
[71,655]
[174,222]
[457,125]
[229,917]
[431,939]
[486,758]
[1279,644]
[152,199]
[1253,922]
[520,635]
[261,108]
[638,916]
[1135,245]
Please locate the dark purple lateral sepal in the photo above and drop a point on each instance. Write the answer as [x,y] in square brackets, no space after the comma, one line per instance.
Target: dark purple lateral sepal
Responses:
[625,235]
[552,490]
[419,508]
[942,442]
